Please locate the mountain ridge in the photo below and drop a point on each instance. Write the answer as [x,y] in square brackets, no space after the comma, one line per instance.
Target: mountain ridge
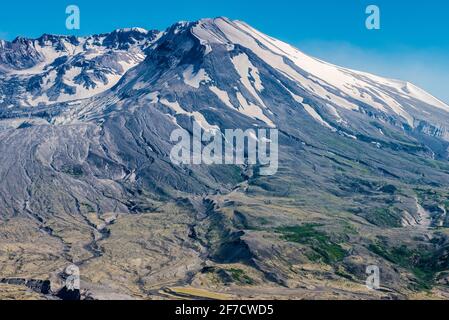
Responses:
[52,69]
[374,91]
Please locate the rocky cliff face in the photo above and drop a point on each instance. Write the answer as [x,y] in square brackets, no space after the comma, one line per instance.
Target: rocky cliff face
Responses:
[54,69]
[19,54]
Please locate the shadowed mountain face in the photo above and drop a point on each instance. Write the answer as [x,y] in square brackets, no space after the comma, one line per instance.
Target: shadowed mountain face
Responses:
[363,169]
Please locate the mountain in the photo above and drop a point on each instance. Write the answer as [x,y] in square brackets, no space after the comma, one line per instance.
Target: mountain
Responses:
[87,177]
[60,68]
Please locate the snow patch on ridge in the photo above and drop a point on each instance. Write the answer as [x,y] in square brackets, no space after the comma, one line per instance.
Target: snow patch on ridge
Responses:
[195,79]
[197,116]
[253,111]
[245,69]
[341,87]
[312,112]
[222,95]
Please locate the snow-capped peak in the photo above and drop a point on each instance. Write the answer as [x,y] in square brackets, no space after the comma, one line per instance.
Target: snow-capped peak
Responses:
[136,29]
[341,87]
[61,68]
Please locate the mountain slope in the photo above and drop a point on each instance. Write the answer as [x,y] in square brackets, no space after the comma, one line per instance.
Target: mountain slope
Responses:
[363,173]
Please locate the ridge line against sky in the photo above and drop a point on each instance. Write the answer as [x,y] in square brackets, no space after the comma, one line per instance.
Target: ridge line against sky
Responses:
[412,44]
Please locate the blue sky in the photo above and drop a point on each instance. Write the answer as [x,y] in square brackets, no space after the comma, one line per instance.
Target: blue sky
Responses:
[412,44]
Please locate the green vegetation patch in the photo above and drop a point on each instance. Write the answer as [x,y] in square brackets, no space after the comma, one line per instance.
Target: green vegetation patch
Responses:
[324,249]
[75,170]
[432,199]
[239,276]
[419,262]
[230,275]
[384,217]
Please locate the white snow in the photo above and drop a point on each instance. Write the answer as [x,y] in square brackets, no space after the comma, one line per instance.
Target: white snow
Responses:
[424,96]
[203,33]
[324,79]
[140,85]
[222,95]
[245,68]
[81,91]
[174,106]
[338,88]
[49,54]
[89,51]
[317,117]
[153,97]
[195,79]
[253,111]
[275,57]
[197,116]
[347,80]
[72,73]
[136,29]
[332,110]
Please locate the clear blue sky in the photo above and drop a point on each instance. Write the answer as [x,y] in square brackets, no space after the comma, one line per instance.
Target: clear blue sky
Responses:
[413,43]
